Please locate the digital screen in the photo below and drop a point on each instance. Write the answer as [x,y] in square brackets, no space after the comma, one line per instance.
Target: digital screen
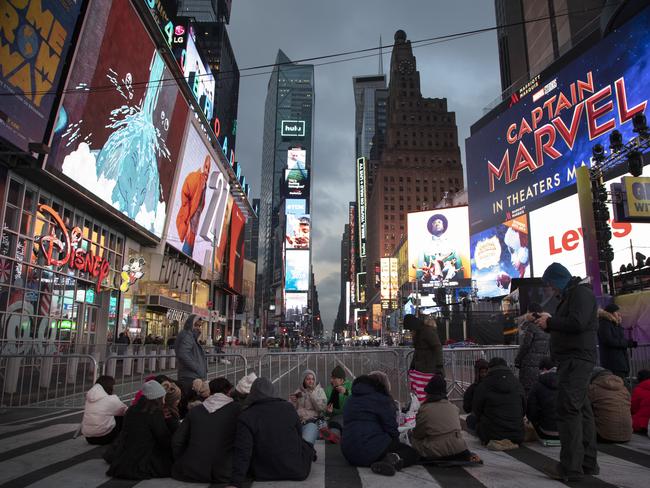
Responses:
[120,143]
[295,306]
[438,247]
[198,76]
[296,270]
[295,206]
[500,254]
[521,156]
[297,159]
[298,232]
[200,201]
[236,263]
[35,37]
[296,183]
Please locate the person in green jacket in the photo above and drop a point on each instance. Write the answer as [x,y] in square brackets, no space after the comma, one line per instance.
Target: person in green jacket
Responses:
[337,392]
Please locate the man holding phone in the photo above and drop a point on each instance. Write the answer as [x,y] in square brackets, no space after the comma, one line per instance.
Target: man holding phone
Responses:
[337,392]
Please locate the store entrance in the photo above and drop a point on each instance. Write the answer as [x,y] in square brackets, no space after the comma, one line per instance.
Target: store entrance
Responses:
[85,332]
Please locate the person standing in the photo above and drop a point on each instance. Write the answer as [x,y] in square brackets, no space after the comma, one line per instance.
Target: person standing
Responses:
[427,354]
[190,355]
[533,348]
[573,332]
[612,342]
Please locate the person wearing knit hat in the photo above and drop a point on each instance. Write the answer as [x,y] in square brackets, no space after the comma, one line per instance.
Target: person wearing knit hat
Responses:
[574,338]
[337,393]
[152,390]
[309,401]
[612,343]
[243,388]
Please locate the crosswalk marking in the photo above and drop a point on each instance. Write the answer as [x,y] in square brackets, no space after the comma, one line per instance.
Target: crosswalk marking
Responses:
[169,483]
[34,436]
[412,476]
[638,443]
[82,475]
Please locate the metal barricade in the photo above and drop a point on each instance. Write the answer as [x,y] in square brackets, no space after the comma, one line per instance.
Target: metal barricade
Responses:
[639,359]
[285,369]
[46,381]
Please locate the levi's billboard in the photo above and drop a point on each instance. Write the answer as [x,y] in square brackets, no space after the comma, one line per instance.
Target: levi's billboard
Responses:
[519,159]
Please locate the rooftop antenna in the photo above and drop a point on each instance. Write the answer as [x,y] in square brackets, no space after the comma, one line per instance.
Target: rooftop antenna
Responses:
[381,57]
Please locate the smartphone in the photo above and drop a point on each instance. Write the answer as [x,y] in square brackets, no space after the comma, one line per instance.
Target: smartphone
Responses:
[298,394]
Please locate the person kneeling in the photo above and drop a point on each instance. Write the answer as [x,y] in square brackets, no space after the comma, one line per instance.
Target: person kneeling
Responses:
[540,410]
[437,435]
[103,413]
[203,444]
[610,401]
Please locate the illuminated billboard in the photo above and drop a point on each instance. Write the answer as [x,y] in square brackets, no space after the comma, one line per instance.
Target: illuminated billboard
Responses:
[198,75]
[438,247]
[298,232]
[200,201]
[121,143]
[35,37]
[389,282]
[236,259]
[296,159]
[519,158]
[296,270]
[295,206]
[292,128]
[361,202]
[296,183]
[500,254]
[295,306]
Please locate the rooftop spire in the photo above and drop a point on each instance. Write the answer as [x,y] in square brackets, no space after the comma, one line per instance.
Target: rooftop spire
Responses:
[381,57]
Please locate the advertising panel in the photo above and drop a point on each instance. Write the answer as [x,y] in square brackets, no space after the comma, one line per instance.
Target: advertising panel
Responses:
[361,200]
[296,183]
[292,128]
[519,159]
[500,254]
[295,306]
[298,231]
[121,143]
[438,249]
[376,316]
[295,206]
[385,281]
[35,37]
[236,261]
[297,270]
[297,159]
[637,191]
[198,75]
[352,255]
[200,201]
[220,254]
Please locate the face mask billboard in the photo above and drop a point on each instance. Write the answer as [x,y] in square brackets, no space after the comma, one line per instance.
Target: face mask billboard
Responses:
[296,270]
[298,233]
[297,159]
[120,143]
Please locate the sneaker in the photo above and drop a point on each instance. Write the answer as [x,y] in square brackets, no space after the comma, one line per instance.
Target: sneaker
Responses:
[329,435]
[556,472]
[383,468]
[394,459]
[502,445]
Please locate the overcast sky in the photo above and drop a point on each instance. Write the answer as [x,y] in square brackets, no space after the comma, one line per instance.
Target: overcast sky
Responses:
[464,71]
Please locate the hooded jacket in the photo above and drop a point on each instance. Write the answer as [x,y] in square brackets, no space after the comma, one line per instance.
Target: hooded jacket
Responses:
[269,444]
[190,356]
[574,325]
[499,406]
[534,347]
[311,403]
[540,409]
[437,430]
[204,443]
[641,406]
[427,354]
[100,412]
[468,396]
[610,401]
[612,344]
[370,422]
[192,201]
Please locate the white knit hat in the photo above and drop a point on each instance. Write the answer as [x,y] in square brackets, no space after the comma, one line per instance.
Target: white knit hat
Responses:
[153,390]
[244,385]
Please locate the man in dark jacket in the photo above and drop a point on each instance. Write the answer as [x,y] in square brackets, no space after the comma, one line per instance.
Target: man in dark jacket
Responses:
[499,406]
[480,372]
[612,343]
[190,356]
[204,442]
[573,330]
[540,408]
[269,444]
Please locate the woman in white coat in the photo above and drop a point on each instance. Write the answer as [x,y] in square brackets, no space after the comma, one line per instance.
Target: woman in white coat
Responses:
[103,413]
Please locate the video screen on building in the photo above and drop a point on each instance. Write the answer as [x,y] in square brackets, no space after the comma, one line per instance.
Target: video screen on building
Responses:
[295,306]
[523,155]
[296,270]
[295,206]
[236,262]
[121,143]
[198,75]
[298,232]
[200,201]
[296,183]
[35,37]
[438,247]
[296,159]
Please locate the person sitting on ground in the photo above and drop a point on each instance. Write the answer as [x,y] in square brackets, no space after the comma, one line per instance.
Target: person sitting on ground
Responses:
[203,444]
[641,402]
[540,408]
[499,405]
[309,401]
[534,347]
[171,406]
[370,437]
[480,372]
[438,434]
[243,388]
[144,449]
[164,380]
[268,443]
[103,413]
[337,393]
[610,401]
[612,344]
[427,353]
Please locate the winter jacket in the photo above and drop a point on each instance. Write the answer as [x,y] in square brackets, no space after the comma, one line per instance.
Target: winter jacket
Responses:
[468,396]
[610,401]
[100,412]
[192,200]
[499,405]
[540,409]
[311,403]
[641,406]
[534,347]
[427,354]
[612,344]
[370,422]
[190,356]
[332,396]
[204,443]
[269,444]
[144,449]
[574,325]
[437,430]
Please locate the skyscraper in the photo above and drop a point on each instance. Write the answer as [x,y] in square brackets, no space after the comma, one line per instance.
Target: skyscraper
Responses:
[284,257]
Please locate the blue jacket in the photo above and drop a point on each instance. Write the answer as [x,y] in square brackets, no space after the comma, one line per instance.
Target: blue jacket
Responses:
[370,422]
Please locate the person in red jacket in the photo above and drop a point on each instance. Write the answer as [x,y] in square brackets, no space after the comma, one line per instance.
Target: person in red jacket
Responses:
[192,203]
[641,402]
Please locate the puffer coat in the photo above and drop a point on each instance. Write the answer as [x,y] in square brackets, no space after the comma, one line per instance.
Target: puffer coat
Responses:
[534,347]
[610,401]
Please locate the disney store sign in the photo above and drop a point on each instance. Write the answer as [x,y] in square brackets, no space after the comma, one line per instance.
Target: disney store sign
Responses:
[64,248]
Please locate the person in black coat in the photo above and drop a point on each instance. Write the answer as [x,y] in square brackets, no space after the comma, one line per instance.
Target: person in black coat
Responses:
[499,405]
[480,372]
[143,449]
[269,444]
[204,443]
[370,437]
[540,408]
[612,343]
